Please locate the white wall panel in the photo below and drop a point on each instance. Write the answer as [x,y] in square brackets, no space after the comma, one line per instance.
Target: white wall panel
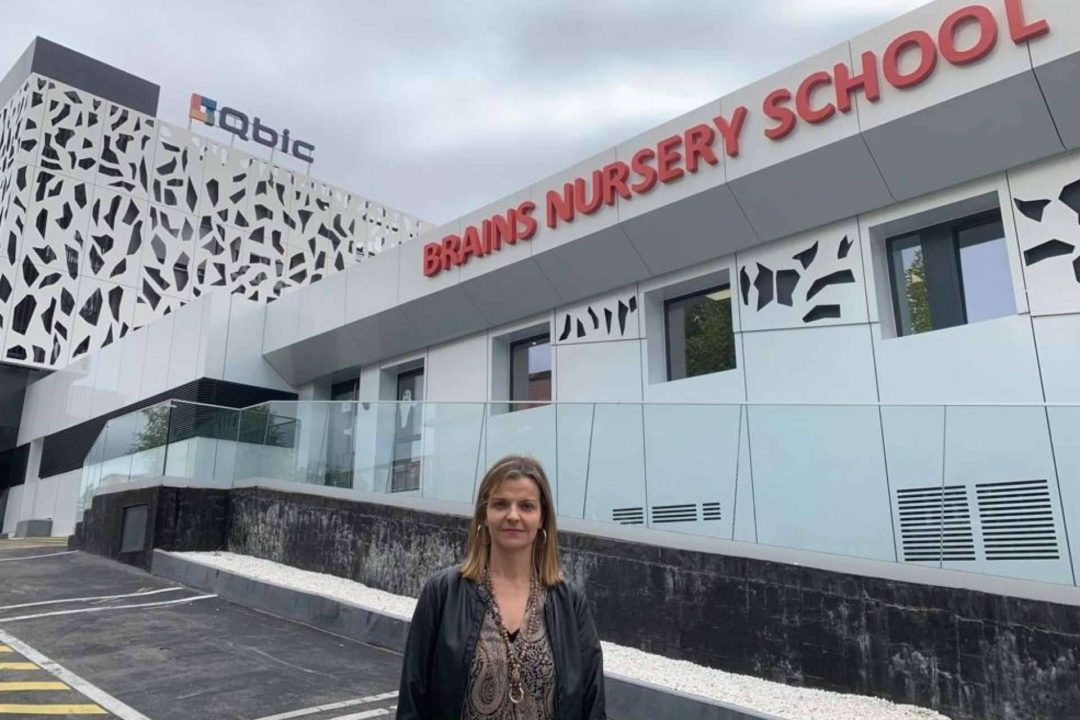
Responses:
[157,357]
[1058,339]
[458,371]
[825,365]
[989,361]
[599,372]
[184,356]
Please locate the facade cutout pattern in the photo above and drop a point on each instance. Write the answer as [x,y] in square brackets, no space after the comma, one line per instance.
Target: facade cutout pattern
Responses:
[803,281]
[613,318]
[110,218]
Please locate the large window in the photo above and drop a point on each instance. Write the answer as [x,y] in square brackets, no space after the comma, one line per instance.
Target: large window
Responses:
[700,339]
[950,274]
[408,428]
[530,372]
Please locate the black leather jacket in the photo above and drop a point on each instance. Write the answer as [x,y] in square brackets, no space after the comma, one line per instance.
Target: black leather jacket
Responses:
[442,640]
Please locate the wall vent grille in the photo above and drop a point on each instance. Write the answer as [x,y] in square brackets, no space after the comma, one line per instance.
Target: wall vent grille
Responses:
[1017,520]
[628,516]
[674,513]
[710,511]
[935,523]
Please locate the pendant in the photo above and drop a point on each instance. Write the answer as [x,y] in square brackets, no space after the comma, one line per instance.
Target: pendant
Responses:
[517,693]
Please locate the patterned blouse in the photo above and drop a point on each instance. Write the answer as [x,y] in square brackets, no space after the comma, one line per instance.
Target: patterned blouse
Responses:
[488,694]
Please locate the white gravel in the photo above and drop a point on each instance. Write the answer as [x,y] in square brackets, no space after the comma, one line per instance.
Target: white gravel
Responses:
[777,699]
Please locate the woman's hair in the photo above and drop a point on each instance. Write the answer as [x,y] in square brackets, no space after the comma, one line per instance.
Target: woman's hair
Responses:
[545,551]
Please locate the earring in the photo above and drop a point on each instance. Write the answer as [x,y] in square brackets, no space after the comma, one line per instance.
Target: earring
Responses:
[544,541]
[479,530]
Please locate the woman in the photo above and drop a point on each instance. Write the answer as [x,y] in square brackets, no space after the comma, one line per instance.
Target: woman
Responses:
[503,637]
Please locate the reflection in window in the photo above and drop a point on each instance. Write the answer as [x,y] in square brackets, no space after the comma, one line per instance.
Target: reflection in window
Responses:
[700,337]
[951,274]
[530,372]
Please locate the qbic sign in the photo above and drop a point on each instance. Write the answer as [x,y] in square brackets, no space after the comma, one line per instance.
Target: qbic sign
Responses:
[206,110]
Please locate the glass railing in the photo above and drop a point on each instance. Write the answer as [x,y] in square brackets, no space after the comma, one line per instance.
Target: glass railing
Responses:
[988,489]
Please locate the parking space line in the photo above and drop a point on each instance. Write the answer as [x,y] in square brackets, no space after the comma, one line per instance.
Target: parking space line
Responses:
[363,715]
[13,686]
[141,593]
[105,702]
[5,649]
[331,706]
[4,621]
[51,710]
[35,557]
[18,666]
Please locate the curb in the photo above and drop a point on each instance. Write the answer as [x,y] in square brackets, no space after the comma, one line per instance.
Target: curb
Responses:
[626,699]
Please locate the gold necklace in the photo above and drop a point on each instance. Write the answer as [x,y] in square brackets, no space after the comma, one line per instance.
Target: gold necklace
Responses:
[513,659]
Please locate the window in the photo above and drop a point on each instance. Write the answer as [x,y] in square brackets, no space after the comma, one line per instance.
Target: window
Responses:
[950,274]
[530,372]
[408,429]
[700,338]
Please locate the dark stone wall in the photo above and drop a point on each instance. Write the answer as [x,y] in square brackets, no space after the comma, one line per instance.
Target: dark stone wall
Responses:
[177,519]
[966,654]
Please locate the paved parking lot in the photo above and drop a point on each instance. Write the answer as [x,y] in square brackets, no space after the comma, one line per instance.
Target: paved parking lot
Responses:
[80,635]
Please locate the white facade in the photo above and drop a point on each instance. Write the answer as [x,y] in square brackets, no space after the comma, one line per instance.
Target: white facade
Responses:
[833,424]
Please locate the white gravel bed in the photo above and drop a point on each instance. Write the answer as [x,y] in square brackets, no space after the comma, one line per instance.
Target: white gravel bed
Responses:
[777,699]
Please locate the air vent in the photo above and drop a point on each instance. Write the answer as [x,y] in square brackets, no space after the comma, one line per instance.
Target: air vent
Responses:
[935,524]
[710,511]
[674,513]
[1017,520]
[628,516]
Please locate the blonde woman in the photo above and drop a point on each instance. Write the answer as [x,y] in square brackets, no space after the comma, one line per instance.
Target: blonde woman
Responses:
[503,637]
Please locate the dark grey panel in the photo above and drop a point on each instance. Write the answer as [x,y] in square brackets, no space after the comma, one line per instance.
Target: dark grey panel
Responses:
[828,184]
[1059,84]
[699,228]
[13,382]
[513,292]
[592,264]
[444,315]
[988,130]
[15,76]
[93,76]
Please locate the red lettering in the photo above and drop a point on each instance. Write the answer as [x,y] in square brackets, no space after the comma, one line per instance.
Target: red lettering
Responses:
[916,39]
[501,230]
[525,227]
[433,263]
[615,176]
[640,165]
[699,140]
[731,131]
[666,158]
[1018,29]
[589,206]
[774,108]
[451,246]
[805,91]
[560,207]
[846,83]
[987,35]
[471,244]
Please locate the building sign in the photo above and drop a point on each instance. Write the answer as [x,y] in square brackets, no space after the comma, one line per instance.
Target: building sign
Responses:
[207,111]
[785,107]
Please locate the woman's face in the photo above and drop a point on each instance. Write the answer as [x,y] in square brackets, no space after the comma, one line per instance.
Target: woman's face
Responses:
[513,513]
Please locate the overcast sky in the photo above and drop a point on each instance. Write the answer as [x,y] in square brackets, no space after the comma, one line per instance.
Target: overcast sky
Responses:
[438,108]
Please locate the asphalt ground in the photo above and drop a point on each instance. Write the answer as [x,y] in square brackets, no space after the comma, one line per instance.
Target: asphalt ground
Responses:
[68,644]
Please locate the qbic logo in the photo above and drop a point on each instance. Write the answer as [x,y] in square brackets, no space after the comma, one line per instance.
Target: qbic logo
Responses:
[206,110]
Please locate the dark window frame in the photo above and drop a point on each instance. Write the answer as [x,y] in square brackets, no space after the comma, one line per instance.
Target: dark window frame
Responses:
[513,406]
[667,324]
[940,245]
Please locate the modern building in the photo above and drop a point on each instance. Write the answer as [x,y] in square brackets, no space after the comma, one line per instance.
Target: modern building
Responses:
[837,310]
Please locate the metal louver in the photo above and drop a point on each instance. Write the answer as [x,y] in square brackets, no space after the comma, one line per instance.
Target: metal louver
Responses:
[628,516]
[1017,520]
[710,511]
[674,513]
[935,523]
